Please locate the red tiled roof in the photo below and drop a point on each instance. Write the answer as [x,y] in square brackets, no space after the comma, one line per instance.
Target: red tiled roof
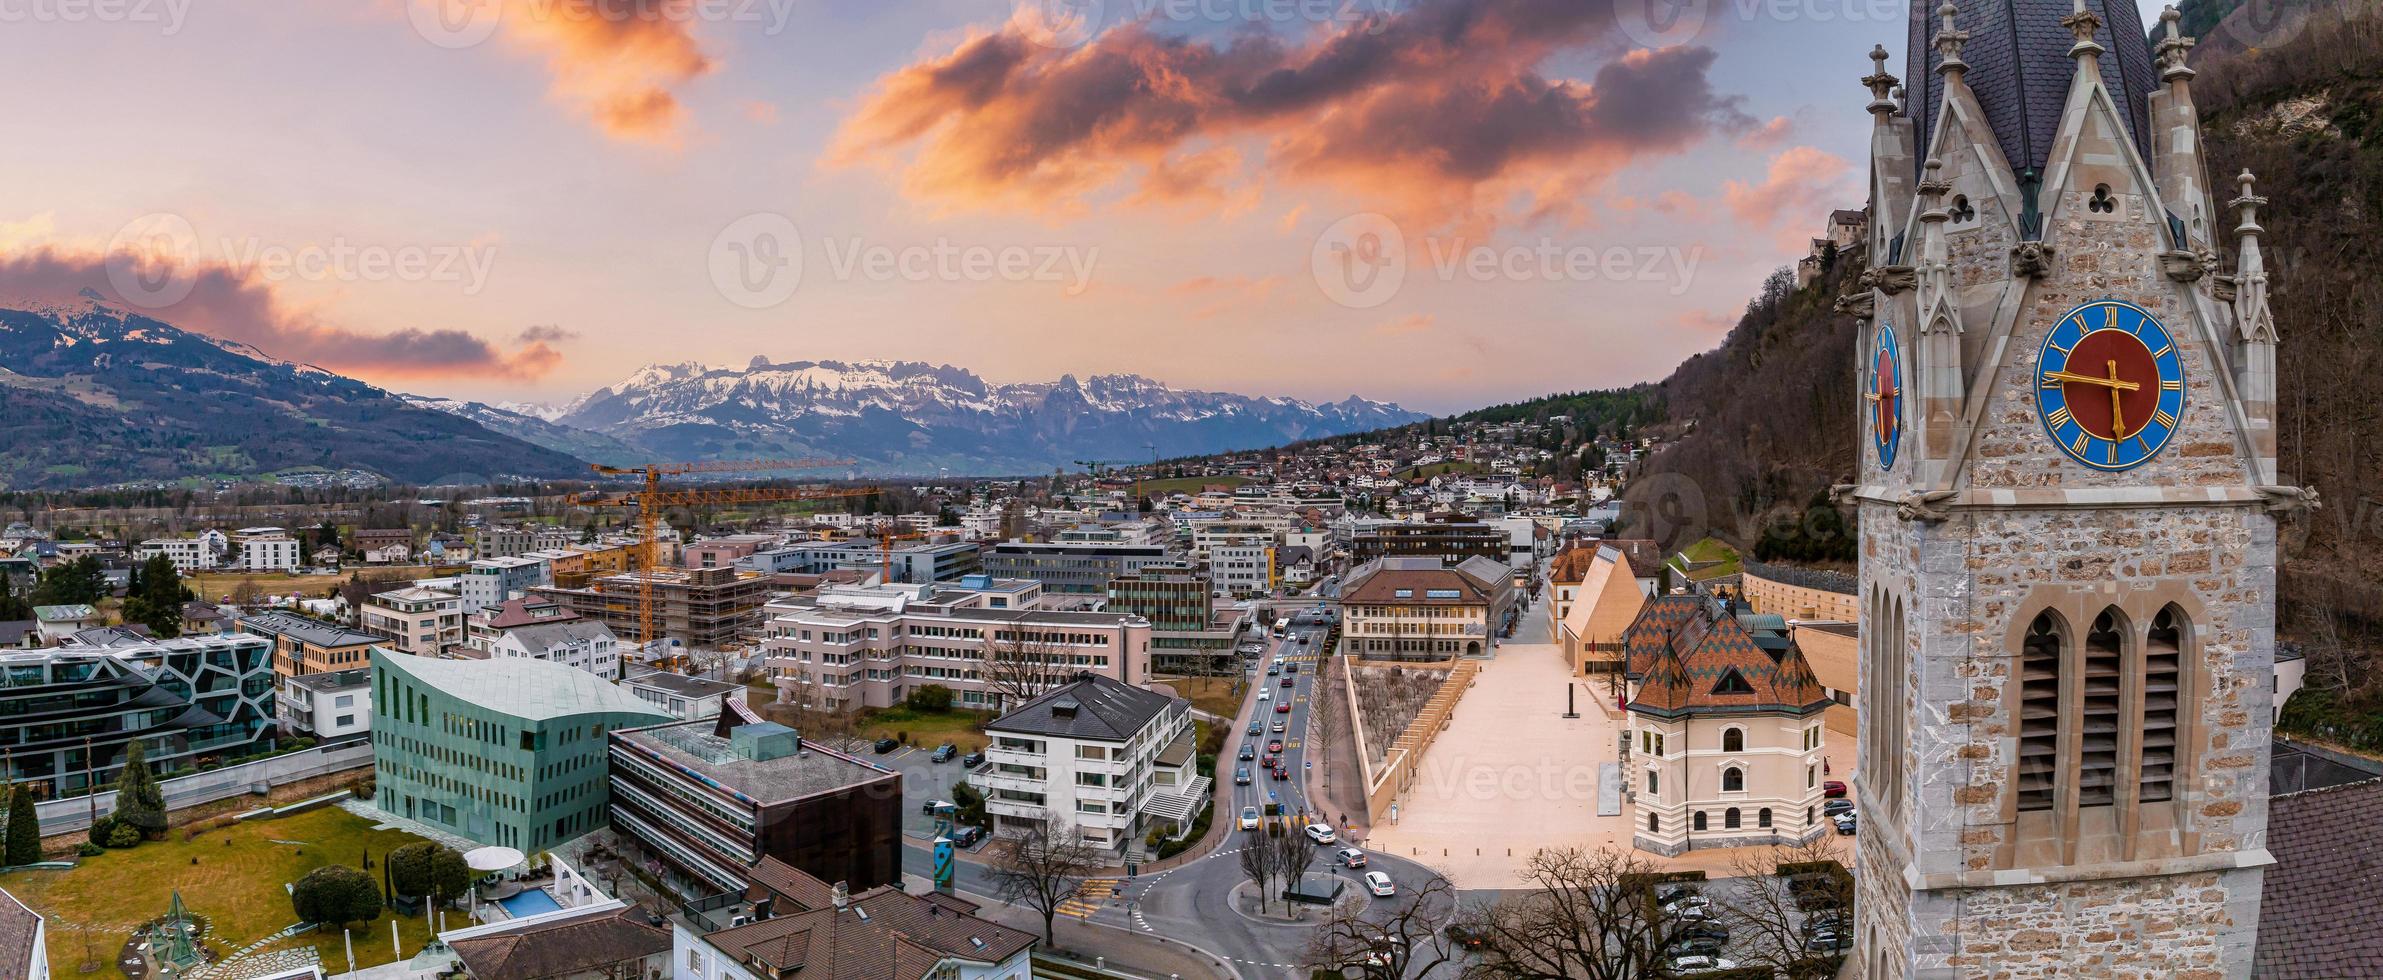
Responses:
[1684,648]
[517,612]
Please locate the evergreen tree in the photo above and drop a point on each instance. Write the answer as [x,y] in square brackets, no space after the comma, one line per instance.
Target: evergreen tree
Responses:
[24,828]
[156,597]
[77,582]
[140,804]
[12,607]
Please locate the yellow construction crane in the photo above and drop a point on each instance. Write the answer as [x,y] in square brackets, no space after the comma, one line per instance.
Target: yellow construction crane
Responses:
[885,552]
[652,500]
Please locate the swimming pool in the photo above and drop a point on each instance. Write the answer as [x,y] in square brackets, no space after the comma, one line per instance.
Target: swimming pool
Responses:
[530,902]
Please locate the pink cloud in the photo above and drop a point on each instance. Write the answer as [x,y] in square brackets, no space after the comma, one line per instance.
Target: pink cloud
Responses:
[1799,187]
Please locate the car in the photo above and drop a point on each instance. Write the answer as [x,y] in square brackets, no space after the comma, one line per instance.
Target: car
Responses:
[1275,745]
[1248,751]
[1265,694]
[1464,936]
[1837,806]
[1837,919]
[1833,789]
[967,837]
[1281,726]
[1349,857]
[1289,681]
[1282,773]
[1275,670]
[1267,761]
[1689,965]
[1827,941]
[1241,776]
[1257,728]
[1707,929]
[1249,818]
[1693,908]
[972,760]
[1694,946]
[1673,893]
[1380,884]
[1320,833]
[1283,708]
[885,745]
[1845,823]
[945,753]
[930,805]
[1293,668]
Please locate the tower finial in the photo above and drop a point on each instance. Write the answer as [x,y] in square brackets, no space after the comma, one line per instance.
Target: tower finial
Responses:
[2082,24]
[1881,84]
[2171,49]
[1949,40]
[1932,189]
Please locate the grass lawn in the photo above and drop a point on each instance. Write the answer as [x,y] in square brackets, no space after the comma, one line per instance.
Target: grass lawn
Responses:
[928,730]
[1189,484]
[237,887]
[1711,549]
[1439,469]
[1211,694]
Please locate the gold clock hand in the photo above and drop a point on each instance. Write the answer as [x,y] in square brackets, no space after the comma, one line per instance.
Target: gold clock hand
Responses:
[2087,379]
[2117,406]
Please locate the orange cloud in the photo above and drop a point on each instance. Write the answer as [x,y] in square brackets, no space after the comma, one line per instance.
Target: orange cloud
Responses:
[1800,185]
[1219,295]
[1415,324]
[619,65]
[1439,112]
[229,304]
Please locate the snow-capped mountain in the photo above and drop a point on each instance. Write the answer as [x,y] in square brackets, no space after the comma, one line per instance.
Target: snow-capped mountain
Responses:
[916,418]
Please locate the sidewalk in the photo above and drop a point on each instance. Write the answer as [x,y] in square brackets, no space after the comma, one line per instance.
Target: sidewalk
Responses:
[1148,954]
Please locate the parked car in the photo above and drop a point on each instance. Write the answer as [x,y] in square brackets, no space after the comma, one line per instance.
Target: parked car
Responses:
[1467,938]
[930,805]
[1845,823]
[1694,946]
[1241,776]
[885,745]
[1320,833]
[1380,884]
[1828,941]
[1837,806]
[1833,789]
[1249,818]
[972,760]
[1707,929]
[945,753]
[1690,965]
[967,837]
[1350,857]
[1673,893]
[1692,908]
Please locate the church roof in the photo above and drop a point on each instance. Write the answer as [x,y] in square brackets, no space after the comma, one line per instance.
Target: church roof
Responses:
[1694,654]
[2019,67]
[2318,903]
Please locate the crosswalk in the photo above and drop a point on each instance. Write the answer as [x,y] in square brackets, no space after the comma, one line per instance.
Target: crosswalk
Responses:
[1089,898]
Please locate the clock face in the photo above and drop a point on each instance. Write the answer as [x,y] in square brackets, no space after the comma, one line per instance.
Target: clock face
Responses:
[1886,396]
[2110,385]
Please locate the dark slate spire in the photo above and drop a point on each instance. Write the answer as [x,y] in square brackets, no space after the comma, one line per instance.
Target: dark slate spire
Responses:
[2019,67]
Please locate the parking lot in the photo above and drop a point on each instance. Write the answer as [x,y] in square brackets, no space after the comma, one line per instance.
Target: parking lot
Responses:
[921,781]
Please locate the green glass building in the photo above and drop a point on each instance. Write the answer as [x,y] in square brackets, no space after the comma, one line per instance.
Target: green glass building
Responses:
[508,751]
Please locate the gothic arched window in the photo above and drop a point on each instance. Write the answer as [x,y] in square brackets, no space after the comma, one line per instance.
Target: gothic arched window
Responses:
[1733,780]
[1762,817]
[1729,819]
[2099,714]
[2163,687]
[1699,823]
[2039,710]
[1733,740]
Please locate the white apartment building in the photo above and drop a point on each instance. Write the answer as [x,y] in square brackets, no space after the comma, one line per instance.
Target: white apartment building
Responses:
[1242,569]
[419,621]
[490,581]
[270,553]
[1111,760]
[192,554]
[326,704]
[582,643]
[855,646]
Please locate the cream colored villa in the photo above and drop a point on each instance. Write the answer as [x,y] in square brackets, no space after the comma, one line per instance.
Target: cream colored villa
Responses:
[1725,728]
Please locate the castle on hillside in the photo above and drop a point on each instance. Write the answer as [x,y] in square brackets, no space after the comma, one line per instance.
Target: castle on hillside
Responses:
[2068,504]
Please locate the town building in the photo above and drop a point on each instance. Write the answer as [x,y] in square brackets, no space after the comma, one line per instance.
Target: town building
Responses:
[269,550]
[58,623]
[786,924]
[849,647]
[1111,761]
[326,705]
[1725,742]
[1076,568]
[483,628]
[192,554]
[683,696]
[303,645]
[188,699]
[726,550]
[508,752]
[1450,538]
[489,581]
[698,607]
[2067,587]
[579,644]
[1417,608]
[1242,565]
[1599,604]
[397,541]
[711,797]
[608,940]
[419,621]
[1190,632]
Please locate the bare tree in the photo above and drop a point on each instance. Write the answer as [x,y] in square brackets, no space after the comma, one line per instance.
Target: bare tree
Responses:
[1017,665]
[1585,915]
[1041,865]
[1262,863]
[803,704]
[1293,855]
[1389,940]
[1783,896]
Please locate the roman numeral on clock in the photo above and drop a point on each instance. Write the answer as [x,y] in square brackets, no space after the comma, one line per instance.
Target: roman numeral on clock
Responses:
[2078,445]
[2162,417]
[2059,417]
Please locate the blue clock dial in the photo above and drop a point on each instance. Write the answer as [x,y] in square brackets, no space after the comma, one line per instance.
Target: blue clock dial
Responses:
[2109,385]
[1886,396]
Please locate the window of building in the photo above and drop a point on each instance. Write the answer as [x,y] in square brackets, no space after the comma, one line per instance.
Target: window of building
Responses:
[1654,823]
[1811,773]
[1652,784]
[1762,817]
[1729,819]
[1733,780]
[1733,740]
[1699,822]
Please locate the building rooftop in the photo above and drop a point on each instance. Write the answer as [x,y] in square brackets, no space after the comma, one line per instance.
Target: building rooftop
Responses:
[305,629]
[880,933]
[334,680]
[20,930]
[2318,902]
[1092,707]
[590,942]
[694,747]
[531,690]
[693,687]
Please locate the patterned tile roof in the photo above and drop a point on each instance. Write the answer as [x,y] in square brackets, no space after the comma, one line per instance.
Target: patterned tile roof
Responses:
[2318,905]
[2019,68]
[1692,654]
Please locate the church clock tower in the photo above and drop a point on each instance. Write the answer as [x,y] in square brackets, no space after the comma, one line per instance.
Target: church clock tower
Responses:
[2068,505]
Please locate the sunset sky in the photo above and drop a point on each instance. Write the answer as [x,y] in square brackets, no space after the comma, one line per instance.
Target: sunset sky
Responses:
[525,199]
